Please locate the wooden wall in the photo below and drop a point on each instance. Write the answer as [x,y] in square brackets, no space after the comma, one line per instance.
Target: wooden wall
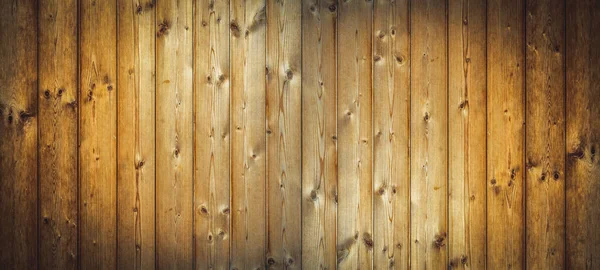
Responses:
[314,134]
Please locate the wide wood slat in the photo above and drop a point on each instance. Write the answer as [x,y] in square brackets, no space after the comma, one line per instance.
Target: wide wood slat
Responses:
[355,138]
[136,135]
[58,131]
[174,134]
[283,112]
[506,130]
[319,134]
[18,134]
[545,128]
[98,133]
[583,134]
[467,145]
[391,134]
[248,146]
[212,214]
[311,134]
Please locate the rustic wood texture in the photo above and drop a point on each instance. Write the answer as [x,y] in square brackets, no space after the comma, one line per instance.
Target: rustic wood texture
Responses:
[309,134]
[467,134]
[428,135]
[212,135]
[583,134]
[249,145]
[354,111]
[98,134]
[58,116]
[283,112]
[174,134]
[391,133]
[506,130]
[545,143]
[136,131]
[319,134]
[18,134]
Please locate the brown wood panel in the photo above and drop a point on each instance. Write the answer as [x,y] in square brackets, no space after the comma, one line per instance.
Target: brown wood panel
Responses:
[319,134]
[136,135]
[354,102]
[583,134]
[283,109]
[248,148]
[428,135]
[212,135]
[467,134]
[545,129]
[98,134]
[505,118]
[391,133]
[58,131]
[18,133]
[174,134]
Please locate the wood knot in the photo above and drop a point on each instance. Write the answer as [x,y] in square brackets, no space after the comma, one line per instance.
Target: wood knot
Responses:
[60,91]
[556,175]
[226,211]
[47,94]
[368,240]
[332,8]
[463,259]
[290,261]
[235,29]
[440,240]
[163,28]
[270,261]
[203,210]
[463,104]
[289,74]
[313,195]
[376,58]
[426,117]
[138,9]
[578,153]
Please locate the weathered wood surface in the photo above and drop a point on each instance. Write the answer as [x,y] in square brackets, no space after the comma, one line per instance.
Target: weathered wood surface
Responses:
[315,134]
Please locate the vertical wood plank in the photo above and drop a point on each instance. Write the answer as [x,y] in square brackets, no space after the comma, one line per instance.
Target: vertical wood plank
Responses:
[354,235]
[248,156]
[583,134]
[467,133]
[505,117]
[545,129]
[212,134]
[429,130]
[98,133]
[174,128]
[18,133]
[319,134]
[283,108]
[58,94]
[391,131]
[136,135]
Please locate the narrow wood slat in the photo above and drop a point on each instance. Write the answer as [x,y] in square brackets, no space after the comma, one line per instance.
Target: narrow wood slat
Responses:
[18,133]
[58,134]
[354,102]
[319,134]
[391,131]
[283,108]
[98,133]
[212,134]
[545,129]
[248,149]
[467,134]
[174,126]
[583,134]
[505,153]
[428,135]
[136,135]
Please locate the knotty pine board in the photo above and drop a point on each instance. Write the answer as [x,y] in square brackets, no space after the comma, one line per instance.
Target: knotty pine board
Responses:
[309,134]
